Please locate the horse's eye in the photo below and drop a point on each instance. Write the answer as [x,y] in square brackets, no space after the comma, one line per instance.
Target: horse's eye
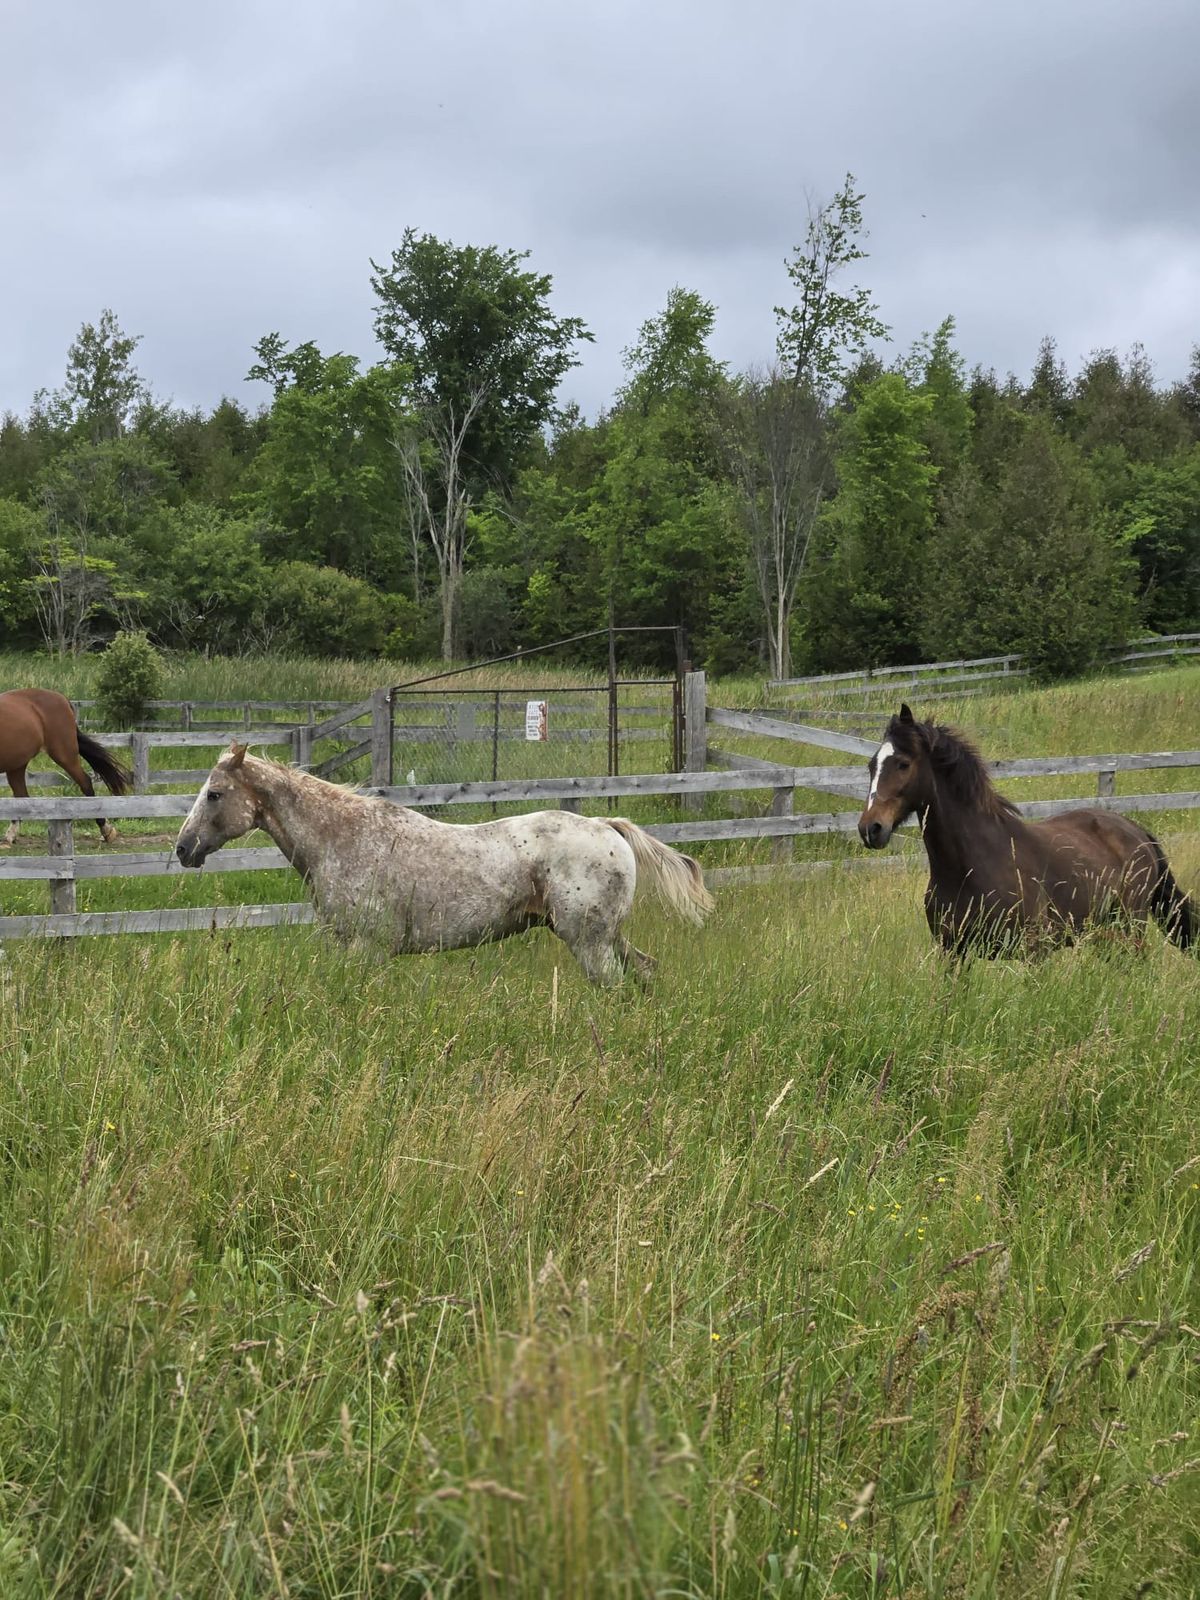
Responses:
[215,794]
[902,765]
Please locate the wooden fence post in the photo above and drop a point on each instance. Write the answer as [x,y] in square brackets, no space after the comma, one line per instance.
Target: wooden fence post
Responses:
[783,804]
[302,745]
[695,732]
[62,890]
[1106,782]
[381,737]
[139,746]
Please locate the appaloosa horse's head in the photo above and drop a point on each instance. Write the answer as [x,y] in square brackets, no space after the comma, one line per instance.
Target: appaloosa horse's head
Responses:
[901,780]
[226,808]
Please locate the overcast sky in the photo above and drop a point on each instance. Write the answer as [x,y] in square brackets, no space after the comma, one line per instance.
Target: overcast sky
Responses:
[216,173]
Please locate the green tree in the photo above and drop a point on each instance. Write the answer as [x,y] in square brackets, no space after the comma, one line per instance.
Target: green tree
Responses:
[829,328]
[102,386]
[1030,565]
[1162,522]
[935,368]
[776,424]
[475,332]
[484,356]
[21,536]
[658,516]
[94,497]
[328,477]
[212,582]
[862,592]
[319,611]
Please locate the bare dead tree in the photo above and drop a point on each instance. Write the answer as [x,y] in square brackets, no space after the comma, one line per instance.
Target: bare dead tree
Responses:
[437,487]
[775,435]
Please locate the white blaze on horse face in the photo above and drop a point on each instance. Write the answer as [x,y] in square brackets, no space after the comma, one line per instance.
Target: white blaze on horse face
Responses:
[885,752]
[197,811]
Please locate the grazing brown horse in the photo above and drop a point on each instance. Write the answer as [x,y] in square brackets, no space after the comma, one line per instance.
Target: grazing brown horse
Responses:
[996,882]
[32,720]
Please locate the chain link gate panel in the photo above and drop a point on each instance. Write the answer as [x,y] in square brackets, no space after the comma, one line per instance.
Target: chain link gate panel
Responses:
[444,735]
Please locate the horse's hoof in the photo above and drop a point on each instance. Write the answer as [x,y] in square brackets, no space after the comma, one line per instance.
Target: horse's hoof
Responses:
[109,835]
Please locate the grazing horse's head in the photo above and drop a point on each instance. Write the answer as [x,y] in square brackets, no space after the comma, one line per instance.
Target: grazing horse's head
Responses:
[901,780]
[226,808]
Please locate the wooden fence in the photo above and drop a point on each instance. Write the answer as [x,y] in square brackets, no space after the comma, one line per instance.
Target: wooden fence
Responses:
[934,680]
[61,869]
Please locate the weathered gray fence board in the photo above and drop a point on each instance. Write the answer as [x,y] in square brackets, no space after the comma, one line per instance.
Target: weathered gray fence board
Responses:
[799,732]
[343,758]
[553,789]
[1182,800]
[787,871]
[138,864]
[841,781]
[322,730]
[1062,766]
[195,919]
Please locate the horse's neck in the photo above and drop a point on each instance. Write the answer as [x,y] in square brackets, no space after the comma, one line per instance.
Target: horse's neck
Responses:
[960,839]
[300,813]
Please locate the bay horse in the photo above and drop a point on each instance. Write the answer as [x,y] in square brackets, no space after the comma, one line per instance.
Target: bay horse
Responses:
[384,873]
[996,881]
[32,720]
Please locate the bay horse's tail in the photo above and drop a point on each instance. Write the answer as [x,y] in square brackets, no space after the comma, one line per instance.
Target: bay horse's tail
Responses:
[1171,907]
[679,879]
[110,771]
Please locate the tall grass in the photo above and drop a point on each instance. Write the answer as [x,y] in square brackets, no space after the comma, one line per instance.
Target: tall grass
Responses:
[824,1268]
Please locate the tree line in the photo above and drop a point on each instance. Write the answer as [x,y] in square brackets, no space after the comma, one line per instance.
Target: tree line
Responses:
[824,510]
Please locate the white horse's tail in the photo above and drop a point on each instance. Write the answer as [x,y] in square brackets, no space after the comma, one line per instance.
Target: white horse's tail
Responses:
[679,879]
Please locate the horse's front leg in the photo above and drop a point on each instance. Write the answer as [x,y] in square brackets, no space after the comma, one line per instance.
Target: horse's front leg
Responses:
[631,957]
[16,782]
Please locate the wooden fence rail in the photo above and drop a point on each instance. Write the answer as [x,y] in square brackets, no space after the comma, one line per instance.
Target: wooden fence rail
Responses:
[61,868]
[976,674]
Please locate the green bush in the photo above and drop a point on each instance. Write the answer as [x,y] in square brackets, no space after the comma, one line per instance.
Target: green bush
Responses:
[323,612]
[131,675]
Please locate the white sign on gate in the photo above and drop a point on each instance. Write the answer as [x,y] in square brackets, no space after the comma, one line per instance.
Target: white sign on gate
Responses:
[535,719]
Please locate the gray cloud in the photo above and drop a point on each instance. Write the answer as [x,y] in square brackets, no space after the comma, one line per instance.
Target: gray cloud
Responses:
[213,175]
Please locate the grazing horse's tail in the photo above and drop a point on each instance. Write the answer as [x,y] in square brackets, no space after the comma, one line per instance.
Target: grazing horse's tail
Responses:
[679,879]
[1171,907]
[110,771]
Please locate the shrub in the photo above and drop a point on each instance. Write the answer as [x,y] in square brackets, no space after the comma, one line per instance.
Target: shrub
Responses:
[321,611]
[131,674]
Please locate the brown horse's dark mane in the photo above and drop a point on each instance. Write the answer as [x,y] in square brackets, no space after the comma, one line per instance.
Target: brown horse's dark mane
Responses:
[955,760]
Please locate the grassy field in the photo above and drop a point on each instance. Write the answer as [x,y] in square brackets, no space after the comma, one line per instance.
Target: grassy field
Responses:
[823,1268]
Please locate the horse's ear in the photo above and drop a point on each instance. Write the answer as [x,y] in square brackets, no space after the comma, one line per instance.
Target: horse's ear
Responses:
[905,714]
[237,754]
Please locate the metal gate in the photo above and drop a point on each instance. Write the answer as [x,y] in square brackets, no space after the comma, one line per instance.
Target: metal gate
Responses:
[444,734]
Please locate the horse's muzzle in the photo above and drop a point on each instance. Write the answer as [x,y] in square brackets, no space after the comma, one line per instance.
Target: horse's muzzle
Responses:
[190,855]
[875,835]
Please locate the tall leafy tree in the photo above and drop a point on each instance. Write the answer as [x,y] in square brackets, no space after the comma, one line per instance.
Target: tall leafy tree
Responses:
[102,388]
[658,514]
[862,592]
[935,368]
[777,429]
[475,330]
[328,477]
[484,356]
[1030,564]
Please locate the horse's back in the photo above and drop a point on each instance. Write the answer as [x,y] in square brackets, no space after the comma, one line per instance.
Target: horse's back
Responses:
[41,702]
[1102,840]
[28,719]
